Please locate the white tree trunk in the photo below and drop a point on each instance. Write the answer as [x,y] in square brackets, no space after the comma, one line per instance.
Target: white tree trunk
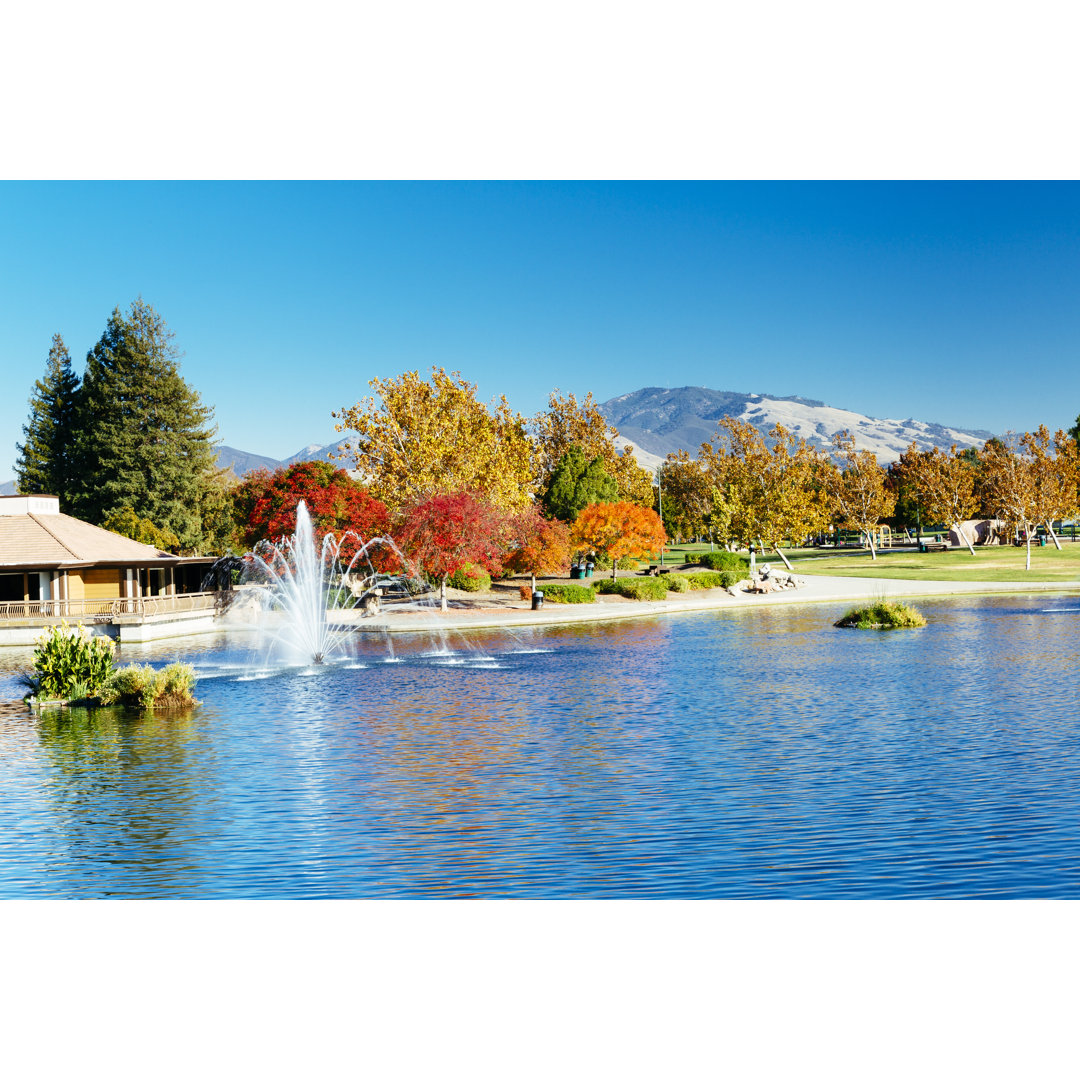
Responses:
[873,550]
[442,592]
[1053,535]
[1027,543]
[967,539]
[776,548]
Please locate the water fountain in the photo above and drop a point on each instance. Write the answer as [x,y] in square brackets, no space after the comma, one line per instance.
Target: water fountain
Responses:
[309,590]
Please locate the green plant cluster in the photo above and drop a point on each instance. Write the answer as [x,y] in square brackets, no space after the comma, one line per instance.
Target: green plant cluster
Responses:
[141,686]
[642,588]
[569,594]
[469,579]
[724,560]
[883,615]
[69,664]
[704,579]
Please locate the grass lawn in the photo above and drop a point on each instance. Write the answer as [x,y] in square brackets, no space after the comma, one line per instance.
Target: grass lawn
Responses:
[988,564]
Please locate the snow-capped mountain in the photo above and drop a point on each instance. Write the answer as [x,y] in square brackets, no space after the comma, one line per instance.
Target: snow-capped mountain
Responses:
[659,421]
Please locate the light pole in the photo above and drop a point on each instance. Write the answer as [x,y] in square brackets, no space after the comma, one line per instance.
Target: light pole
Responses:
[660,502]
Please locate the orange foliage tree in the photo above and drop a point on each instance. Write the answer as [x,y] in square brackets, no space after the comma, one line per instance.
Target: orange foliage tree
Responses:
[537,545]
[618,530]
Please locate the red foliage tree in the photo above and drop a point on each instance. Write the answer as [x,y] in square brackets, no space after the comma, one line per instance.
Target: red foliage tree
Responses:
[264,505]
[537,545]
[445,531]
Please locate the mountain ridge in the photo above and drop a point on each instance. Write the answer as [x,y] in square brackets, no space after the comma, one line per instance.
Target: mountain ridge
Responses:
[658,421]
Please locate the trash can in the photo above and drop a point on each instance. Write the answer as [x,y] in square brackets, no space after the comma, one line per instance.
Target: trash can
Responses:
[575,572]
[589,569]
[1042,541]
[537,599]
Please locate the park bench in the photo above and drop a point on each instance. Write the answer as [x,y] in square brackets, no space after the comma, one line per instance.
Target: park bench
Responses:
[933,545]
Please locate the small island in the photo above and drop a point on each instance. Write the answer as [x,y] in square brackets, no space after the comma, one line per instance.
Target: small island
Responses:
[882,615]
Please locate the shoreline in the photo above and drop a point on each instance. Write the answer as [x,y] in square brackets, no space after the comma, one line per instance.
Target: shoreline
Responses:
[814,590]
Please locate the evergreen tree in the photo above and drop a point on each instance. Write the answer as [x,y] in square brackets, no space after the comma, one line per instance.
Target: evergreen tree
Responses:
[144,436]
[44,465]
[1074,431]
[577,483]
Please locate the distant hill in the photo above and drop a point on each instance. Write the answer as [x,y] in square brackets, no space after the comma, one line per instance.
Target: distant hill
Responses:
[241,462]
[8,488]
[659,421]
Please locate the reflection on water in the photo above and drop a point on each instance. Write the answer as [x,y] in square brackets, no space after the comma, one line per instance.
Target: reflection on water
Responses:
[731,754]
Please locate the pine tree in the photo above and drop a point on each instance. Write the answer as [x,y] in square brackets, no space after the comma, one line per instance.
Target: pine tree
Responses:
[144,436]
[576,483]
[44,465]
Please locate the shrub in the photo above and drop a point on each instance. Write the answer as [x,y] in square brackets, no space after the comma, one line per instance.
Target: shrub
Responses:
[69,664]
[470,579]
[144,687]
[676,583]
[710,579]
[525,592]
[569,594]
[883,615]
[724,560]
[647,588]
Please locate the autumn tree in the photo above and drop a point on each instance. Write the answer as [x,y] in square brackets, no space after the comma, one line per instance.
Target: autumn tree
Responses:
[686,491]
[265,505]
[1055,467]
[143,436]
[1010,485]
[576,483]
[416,437]
[45,465]
[856,489]
[567,423]
[765,494]
[618,530]
[944,483]
[444,531]
[537,545]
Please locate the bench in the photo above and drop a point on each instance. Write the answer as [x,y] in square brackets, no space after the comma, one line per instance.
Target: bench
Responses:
[933,545]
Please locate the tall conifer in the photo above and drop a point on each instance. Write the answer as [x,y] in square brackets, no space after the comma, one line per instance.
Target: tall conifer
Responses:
[144,436]
[44,463]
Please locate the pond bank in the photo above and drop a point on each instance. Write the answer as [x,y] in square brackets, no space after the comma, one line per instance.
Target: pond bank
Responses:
[479,612]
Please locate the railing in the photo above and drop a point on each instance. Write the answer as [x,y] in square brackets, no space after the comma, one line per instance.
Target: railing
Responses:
[107,609]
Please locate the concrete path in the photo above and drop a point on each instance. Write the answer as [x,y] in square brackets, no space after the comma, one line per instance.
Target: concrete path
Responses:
[815,590]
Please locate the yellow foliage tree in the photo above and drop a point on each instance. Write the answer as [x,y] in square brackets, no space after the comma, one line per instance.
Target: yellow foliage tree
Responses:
[944,485]
[568,423]
[428,435]
[765,494]
[1056,475]
[618,530]
[1009,484]
[856,489]
[687,494]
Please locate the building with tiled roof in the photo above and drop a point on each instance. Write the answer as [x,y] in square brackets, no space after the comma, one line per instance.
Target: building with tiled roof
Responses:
[54,565]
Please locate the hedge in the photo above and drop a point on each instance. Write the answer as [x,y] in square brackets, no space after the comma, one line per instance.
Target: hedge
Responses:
[568,594]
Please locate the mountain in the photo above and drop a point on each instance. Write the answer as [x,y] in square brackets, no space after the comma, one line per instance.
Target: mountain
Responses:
[241,462]
[658,421]
[8,488]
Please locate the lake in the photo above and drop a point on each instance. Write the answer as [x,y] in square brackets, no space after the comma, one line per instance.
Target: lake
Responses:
[753,753]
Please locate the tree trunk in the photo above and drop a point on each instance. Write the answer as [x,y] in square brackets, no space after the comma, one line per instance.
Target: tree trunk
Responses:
[442,592]
[532,578]
[960,532]
[776,548]
[1053,535]
[873,552]
[1027,542]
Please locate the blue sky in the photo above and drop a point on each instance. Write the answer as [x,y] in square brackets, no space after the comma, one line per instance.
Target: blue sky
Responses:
[953,302]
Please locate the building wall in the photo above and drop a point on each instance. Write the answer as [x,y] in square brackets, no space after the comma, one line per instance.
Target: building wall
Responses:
[106,584]
[76,589]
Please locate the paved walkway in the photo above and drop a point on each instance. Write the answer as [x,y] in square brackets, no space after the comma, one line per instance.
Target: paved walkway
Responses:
[815,590]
